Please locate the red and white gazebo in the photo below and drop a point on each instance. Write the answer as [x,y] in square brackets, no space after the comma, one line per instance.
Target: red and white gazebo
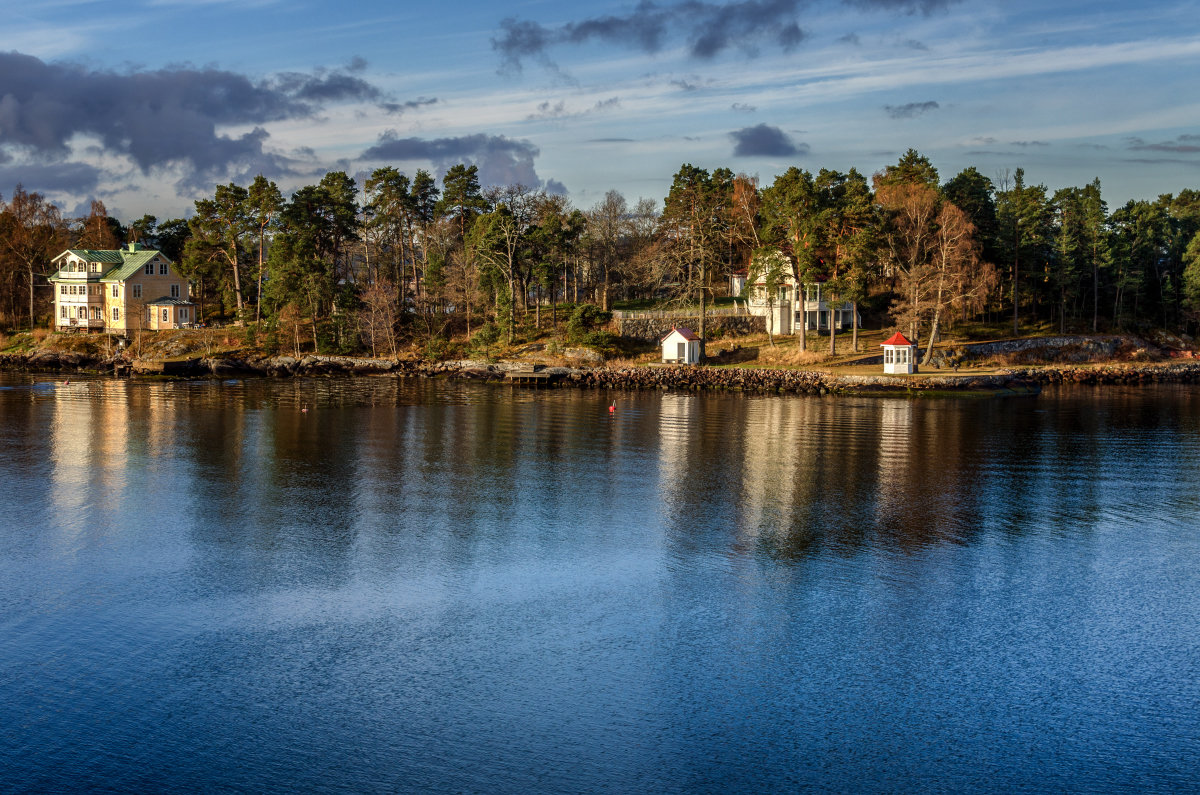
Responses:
[899,355]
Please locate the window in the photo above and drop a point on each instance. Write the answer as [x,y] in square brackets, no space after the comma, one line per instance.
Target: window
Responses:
[166,314]
[116,291]
[96,313]
[137,290]
[62,289]
[82,313]
[183,314]
[149,270]
[174,290]
[62,311]
[116,313]
[95,267]
[162,269]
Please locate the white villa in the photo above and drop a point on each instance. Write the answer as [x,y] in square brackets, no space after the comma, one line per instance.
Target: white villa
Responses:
[794,308]
[130,289]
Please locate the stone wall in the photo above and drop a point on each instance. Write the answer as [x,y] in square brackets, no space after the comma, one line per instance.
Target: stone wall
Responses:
[651,330]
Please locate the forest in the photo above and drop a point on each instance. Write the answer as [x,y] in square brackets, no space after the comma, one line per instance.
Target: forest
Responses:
[399,260]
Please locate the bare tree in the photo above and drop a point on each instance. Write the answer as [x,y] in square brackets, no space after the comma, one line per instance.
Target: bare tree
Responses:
[32,233]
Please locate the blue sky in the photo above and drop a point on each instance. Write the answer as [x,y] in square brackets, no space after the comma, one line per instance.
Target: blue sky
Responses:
[148,105]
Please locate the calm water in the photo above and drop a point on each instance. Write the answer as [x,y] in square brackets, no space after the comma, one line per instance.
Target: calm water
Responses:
[423,586]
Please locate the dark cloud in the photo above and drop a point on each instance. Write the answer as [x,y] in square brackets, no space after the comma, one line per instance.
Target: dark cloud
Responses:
[684,85]
[1027,143]
[558,110]
[164,117]
[763,140]
[742,107]
[1183,144]
[903,6]
[707,29]
[850,38]
[546,110]
[396,108]
[326,86]
[910,110]
[501,160]
[610,140]
[913,44]
[51,177]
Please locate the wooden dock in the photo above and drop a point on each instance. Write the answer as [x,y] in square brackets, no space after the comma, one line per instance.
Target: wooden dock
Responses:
[533,375]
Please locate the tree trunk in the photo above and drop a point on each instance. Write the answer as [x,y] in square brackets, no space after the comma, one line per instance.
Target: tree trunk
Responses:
[854,321]
[933,333]
[832,333]
[258,293]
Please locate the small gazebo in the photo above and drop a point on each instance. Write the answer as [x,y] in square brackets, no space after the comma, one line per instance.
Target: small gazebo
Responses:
[899,355]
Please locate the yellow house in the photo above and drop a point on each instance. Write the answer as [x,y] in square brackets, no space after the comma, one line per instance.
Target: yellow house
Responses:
[132,288]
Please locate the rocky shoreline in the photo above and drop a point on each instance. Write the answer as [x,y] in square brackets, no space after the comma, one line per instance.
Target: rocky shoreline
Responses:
[1010,381]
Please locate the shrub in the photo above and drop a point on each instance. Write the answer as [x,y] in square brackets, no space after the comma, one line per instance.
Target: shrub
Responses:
[435,348]
[584,319]
[487,336]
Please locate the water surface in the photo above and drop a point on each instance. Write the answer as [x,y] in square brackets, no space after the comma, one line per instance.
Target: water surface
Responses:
[389,585]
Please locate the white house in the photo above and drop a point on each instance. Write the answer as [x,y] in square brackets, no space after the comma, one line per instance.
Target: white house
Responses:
[681,346]
[899,355]
[777,306]
[119,291]
[818,313]
[790,308]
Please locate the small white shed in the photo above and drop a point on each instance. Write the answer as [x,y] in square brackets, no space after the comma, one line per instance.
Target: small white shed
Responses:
[681,346]
[899,355]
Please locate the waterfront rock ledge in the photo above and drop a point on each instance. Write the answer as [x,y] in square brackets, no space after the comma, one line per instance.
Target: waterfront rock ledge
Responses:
[1022,380]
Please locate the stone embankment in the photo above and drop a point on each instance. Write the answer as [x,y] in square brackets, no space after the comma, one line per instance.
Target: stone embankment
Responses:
[653,329]
[1010,380]
[791,381]
[1181,373]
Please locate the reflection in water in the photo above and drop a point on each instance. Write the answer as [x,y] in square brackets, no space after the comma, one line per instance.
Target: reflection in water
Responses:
[431,586]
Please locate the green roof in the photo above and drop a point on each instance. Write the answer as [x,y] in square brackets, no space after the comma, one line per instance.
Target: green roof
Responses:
[94,255]
[128,262]
[133,262]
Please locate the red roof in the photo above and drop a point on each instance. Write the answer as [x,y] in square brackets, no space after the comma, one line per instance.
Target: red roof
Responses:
[687,333]
[897,339]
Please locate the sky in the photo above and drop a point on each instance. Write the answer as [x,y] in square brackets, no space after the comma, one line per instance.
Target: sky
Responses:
[147,105]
